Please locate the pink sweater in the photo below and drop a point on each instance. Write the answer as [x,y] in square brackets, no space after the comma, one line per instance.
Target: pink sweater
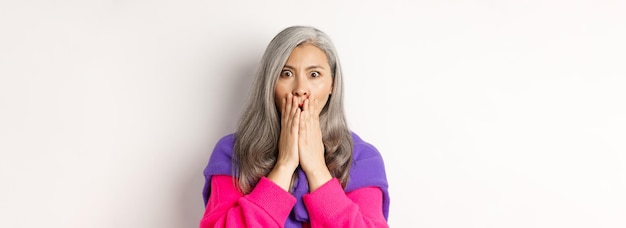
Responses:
[268,205]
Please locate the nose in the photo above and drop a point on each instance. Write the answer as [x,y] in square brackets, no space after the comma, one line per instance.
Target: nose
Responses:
[301,89]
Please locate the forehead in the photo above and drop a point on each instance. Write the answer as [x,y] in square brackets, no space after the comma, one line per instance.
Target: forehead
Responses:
[307,54]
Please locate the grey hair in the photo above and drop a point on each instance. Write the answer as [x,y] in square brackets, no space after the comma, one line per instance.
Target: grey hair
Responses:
[258,130]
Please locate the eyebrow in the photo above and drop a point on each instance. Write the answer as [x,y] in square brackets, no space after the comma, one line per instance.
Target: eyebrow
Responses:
[308,68]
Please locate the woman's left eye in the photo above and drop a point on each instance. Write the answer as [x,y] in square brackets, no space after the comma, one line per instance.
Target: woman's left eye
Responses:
[315,74]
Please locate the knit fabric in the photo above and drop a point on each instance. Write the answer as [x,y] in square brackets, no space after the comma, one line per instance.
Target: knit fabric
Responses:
[367,171]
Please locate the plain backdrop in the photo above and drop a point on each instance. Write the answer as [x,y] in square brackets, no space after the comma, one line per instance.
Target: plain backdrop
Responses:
[487,113]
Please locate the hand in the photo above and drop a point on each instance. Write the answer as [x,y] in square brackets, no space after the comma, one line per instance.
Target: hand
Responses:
[311,146]
[288,157]
[288,141]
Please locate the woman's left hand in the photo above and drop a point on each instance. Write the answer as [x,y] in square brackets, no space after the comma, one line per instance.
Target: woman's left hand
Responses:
[311,146]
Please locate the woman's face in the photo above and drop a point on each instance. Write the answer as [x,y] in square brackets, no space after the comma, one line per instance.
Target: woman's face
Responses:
[306,74]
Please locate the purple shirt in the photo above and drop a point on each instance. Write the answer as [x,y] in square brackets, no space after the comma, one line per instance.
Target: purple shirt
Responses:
[367,170]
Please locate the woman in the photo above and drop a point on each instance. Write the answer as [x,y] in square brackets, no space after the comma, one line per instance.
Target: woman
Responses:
[292,161]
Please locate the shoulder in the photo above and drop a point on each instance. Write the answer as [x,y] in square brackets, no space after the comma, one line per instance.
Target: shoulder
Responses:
[227,141]
[224,147]
[220,163]
[368,167]
[363,149]
[222,156]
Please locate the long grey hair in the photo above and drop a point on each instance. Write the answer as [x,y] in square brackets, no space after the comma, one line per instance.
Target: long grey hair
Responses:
[258,130]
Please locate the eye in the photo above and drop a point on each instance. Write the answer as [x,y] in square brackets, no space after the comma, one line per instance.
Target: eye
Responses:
[286,73]
[315,74]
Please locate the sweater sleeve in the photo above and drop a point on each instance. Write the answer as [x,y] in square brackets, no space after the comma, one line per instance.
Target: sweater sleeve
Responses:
[330,206]
[267,205]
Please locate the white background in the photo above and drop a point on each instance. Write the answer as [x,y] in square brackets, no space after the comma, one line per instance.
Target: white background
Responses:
[487,113]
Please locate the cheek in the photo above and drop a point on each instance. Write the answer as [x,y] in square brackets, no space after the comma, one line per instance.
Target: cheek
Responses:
[322,100]
[279,101]
[279,95]
[281,89]
[323,90]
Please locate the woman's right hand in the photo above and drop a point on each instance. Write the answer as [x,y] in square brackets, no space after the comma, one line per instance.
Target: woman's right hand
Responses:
[288,141]
[288,158]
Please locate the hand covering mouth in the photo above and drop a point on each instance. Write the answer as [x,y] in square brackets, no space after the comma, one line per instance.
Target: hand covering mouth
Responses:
[300,106]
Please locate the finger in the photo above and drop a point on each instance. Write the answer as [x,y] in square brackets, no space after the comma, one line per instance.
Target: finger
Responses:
[304,120]
[295,111]
[295,124]
[294,105]
[305,110]
[283,110]
[312,107]
[290,109]
[288,105]
[315,107]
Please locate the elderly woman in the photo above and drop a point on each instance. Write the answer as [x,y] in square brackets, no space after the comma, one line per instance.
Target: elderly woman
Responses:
[293,161]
